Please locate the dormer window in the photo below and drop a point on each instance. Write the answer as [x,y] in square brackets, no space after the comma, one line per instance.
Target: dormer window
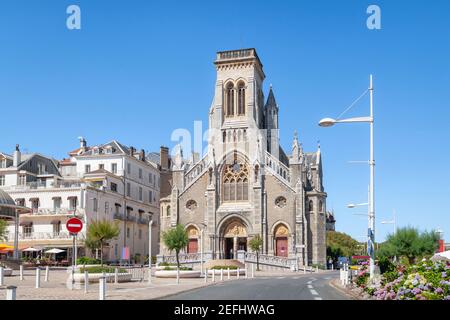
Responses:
[109,150]
[96,150]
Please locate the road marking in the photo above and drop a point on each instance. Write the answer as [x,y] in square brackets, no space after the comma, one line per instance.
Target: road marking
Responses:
[327,278]
[314,292]
[310,286]
[317,298]
[280,277]
[309,282]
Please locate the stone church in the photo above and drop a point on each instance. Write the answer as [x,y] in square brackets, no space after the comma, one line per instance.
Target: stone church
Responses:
[245,184]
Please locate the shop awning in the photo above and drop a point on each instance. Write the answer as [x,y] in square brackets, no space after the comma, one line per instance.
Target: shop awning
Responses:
[25,223]
[55,222]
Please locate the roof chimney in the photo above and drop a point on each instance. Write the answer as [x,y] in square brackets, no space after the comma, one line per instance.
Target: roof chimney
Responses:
[17,157]
[142,155]
[132,150]
[164,157]
[82,144]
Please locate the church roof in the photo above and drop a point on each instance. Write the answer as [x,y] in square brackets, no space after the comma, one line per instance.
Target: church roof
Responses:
[311,158]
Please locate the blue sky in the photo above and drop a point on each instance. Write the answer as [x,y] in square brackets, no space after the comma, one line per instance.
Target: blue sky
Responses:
[137,70]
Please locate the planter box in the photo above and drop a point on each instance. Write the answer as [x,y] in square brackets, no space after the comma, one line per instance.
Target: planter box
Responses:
[95,277]
[173,274]
[7,272]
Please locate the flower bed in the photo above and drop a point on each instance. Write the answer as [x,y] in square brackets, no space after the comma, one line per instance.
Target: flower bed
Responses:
[426,280]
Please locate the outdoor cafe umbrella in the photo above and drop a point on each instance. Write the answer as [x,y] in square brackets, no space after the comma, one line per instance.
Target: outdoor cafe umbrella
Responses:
[55,251]
[30,249]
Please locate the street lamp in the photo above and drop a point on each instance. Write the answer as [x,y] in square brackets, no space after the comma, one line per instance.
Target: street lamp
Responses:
[393,221]
[328,122]
[201,246]
[150,224]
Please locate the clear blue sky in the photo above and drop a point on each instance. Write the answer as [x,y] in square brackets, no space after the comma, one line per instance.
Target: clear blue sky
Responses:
[139,69]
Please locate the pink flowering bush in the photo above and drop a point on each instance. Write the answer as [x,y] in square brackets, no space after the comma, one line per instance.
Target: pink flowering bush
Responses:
[424,281]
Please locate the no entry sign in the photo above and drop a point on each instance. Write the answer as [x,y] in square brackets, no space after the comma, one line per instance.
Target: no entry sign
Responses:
[74,225]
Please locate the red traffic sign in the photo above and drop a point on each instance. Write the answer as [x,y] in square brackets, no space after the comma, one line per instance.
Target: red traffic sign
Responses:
[74,225]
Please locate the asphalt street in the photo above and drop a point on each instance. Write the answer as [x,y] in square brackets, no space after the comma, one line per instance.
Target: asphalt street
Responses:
[295,286]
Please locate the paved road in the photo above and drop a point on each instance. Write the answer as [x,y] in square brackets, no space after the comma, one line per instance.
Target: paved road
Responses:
[288,287]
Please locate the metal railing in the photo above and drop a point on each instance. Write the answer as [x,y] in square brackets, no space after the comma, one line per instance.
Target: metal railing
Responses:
[44,235]
[270,260]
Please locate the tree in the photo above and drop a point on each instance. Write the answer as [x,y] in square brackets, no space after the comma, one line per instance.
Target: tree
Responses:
[99,232]
[255,244]
[340,244]
[410,243]
[3,225]
[176,239]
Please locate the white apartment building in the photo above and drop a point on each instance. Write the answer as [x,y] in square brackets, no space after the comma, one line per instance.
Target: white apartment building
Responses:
[109,181]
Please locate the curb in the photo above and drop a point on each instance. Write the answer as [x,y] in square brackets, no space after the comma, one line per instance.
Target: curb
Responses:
[344,291]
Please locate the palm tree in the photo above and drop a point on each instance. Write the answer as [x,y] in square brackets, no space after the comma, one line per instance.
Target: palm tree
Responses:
[256,244]
[176,239]
[99,232]
[3,226]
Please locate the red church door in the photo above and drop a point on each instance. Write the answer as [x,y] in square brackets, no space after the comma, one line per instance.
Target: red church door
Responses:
[282,247]
[192,246]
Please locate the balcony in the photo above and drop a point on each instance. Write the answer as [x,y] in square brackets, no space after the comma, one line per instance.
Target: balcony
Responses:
[142,221]
[52,212]
[43,185]
[119,216]
[63,235]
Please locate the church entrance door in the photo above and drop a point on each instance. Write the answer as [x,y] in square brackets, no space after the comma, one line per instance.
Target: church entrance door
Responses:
[234,235]
[282,244]
[192,246]
[229,248]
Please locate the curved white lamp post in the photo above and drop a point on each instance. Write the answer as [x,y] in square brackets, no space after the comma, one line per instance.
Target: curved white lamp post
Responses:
[328,122]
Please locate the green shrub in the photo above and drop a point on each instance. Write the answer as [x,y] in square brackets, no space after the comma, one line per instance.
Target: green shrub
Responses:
[100,269]
[224,267]
[87,260]
[385,265]
[171,268]
[361,280]
[166,264]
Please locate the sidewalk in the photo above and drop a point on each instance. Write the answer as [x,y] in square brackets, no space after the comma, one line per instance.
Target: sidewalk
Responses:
[57,288]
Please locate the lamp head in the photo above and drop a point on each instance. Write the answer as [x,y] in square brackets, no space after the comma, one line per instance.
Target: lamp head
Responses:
[351,205]
[327,122]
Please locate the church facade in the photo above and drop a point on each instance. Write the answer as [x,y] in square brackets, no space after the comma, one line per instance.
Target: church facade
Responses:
[245,184]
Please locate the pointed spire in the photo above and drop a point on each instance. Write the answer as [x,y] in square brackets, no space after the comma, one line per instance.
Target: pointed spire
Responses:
[271,102]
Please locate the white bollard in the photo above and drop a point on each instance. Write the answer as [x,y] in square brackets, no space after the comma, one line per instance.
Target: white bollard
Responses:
[332,266]
[38,278]
[102,287]
[47,270]
[1,276]
[253,270]
[21,272]
[221,274]
[317,269]
[150,274]
[206,275]
[86,281]
[116,275]
[11,293]
[304,269]
[228,276]
[246,272]
[213,275]
[237,273]
[178,275]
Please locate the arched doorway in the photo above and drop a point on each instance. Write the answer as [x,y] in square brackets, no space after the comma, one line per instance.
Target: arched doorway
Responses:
[234,237]
[192,233]
[281,240]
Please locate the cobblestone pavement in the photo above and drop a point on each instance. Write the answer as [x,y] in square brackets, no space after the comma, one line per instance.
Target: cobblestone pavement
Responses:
[57,287]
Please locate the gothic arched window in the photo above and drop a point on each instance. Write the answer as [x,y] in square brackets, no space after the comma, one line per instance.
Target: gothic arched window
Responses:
[229,99]
[168,211]
[235,182]
[241,99]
